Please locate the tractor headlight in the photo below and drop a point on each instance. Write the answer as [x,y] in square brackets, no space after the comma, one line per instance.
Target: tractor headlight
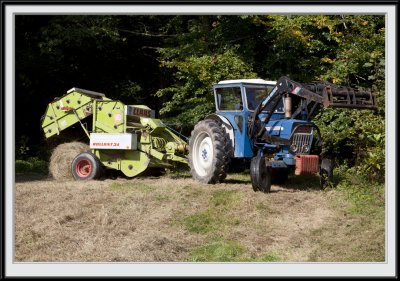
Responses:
[305,148]
[293,148]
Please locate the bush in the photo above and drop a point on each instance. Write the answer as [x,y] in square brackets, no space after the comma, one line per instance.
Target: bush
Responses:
[31,165]
[366,196]
[22,166]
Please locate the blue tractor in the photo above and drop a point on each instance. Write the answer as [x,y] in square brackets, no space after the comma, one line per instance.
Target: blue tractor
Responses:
[266,125]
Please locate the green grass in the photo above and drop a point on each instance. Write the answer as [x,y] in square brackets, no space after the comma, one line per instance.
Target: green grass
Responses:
[243,177]
[362,222]
[269,258]
[201,223]
[218,251]
[214,219]
[225,198]
[366,198]
[216,223]
[210,221]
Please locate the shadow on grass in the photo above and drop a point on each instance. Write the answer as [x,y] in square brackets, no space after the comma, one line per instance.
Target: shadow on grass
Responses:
[303,182]
[308,182]
[237,181]
[27,177]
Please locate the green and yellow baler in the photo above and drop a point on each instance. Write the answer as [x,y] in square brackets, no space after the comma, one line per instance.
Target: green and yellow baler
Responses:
[122,137]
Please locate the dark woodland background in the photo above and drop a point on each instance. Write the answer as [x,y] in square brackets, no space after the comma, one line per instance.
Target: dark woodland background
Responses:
[170,62]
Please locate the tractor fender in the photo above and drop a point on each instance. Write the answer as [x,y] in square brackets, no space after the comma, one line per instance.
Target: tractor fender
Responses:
[225,124]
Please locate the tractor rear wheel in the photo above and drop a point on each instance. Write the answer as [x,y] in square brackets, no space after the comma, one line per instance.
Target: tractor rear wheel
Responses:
[260,173]
[86,166]
[209,152]
[326,173]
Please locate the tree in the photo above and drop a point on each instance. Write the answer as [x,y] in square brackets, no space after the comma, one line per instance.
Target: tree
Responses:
[170,63]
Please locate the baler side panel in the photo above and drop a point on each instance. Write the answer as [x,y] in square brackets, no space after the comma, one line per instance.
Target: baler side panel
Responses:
[60,113]
[110,117]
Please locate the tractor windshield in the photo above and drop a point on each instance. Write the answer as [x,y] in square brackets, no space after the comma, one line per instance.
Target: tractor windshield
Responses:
[255,95]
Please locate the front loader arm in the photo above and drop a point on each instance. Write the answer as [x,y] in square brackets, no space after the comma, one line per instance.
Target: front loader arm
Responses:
[322,94]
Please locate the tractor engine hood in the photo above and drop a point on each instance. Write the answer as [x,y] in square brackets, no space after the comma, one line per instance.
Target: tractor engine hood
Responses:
[283,128]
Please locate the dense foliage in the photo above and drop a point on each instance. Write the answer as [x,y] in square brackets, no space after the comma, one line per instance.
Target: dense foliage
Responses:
[170,63]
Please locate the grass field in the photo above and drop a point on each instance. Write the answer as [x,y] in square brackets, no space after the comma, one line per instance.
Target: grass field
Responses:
[176,219]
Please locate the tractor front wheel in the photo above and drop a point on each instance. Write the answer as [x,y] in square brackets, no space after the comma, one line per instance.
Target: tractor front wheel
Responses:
[326,173]
[260,173]
[86,166]
[209,152]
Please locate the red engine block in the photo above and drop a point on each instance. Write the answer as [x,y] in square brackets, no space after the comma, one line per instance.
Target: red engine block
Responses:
[306,164]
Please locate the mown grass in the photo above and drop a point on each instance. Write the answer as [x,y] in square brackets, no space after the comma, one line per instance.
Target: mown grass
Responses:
[220,250]
[132,186]
[179,219]
[225,198]
[361,205]
[208,221]
[214,218]
[216,222]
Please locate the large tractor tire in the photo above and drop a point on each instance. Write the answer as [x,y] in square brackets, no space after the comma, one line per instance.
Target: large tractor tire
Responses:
[326,173]
[209,152]
[86,166]
[260,174]
[62,157]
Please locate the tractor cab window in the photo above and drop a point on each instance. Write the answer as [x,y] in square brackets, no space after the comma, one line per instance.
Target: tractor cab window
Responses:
[255,95]
[229,98]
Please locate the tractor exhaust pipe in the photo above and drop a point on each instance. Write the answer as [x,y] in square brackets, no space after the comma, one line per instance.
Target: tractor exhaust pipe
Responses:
[288,106]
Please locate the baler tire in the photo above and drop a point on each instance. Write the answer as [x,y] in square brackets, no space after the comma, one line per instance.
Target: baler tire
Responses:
[86,166]
[62,157]
[209,152]
[260,174]
[326,173]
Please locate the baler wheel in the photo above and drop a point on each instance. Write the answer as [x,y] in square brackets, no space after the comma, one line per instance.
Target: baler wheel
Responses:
[260,174]
[86,166]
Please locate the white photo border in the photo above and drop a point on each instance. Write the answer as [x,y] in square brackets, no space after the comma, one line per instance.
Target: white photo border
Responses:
[383,269]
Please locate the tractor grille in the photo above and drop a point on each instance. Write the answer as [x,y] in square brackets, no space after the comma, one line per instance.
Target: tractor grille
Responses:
[301,143]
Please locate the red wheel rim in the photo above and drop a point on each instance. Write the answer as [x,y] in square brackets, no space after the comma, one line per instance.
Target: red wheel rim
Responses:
[83,168]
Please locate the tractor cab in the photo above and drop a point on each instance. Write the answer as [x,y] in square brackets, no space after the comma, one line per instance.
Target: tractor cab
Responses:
[235,102]
[243,94]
